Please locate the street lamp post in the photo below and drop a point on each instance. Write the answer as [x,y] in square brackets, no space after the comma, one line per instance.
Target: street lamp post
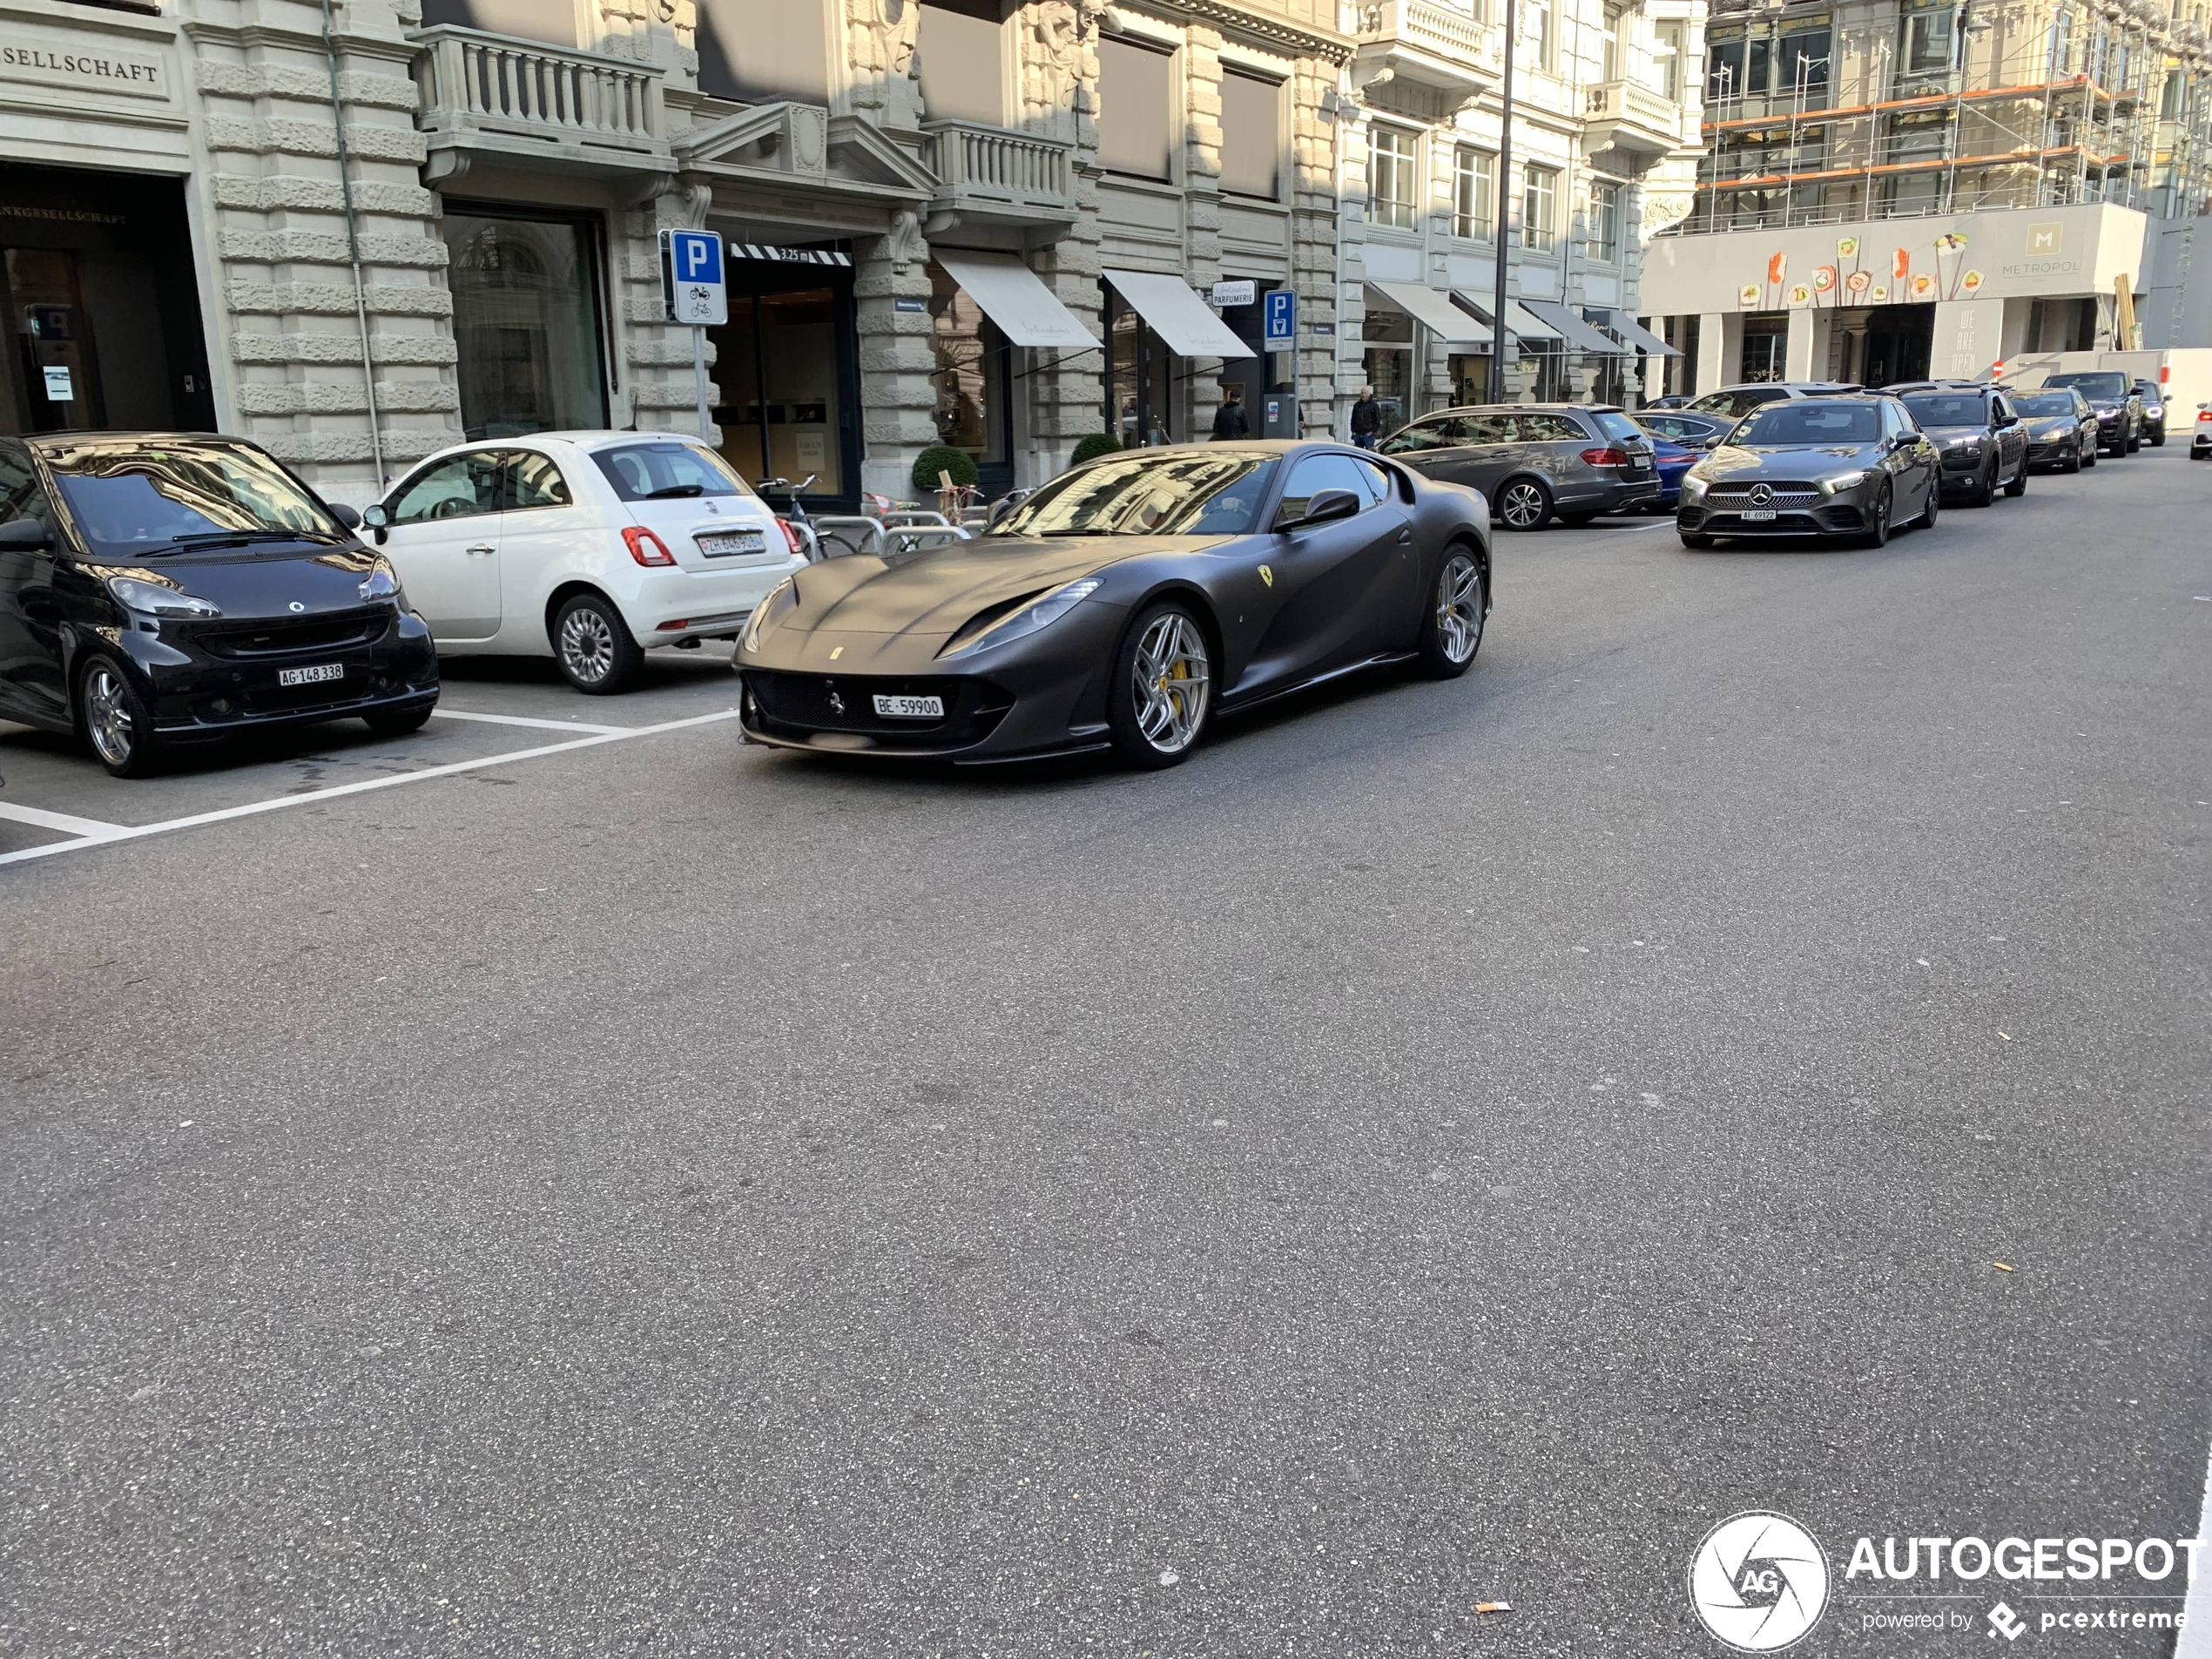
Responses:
[1501,335]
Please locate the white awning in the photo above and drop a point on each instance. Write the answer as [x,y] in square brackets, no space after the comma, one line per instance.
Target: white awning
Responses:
[1524,326]
[1635,333]
[1578,335]
[1434,310]
[1178,315]
[1012,297]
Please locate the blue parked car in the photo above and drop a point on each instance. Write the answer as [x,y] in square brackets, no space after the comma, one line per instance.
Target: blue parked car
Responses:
[1679,441]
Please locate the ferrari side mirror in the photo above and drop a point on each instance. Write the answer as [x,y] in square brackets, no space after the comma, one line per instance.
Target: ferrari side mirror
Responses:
[1325,506]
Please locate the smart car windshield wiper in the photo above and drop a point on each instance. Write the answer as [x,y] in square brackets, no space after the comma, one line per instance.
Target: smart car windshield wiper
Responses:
[245,538]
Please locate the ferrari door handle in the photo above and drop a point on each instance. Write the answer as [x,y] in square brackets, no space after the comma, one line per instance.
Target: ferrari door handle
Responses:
[1405,538]
[483,547]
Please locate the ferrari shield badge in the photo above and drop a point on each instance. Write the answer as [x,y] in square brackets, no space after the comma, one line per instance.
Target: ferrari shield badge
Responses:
[1267,575]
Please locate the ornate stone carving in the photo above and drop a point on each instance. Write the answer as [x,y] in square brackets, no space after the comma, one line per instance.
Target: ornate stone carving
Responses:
[886,67]
[906,244]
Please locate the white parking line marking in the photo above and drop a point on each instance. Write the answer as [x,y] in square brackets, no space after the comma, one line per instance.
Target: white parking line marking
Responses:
[114,833]
[39,818]
[520,720]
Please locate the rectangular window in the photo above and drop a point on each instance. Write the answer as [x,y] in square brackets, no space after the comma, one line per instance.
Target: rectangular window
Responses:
[1390,177]
[1668,42]
[962,67]
[1539,209]
[1251,135]
[1923,41]
[1536,33]
[1136,104]
[757,52]
[1724,70]
[525,323]
[1610,52]
[1605,223]
[973,411]
[1474,209]
[1802,69]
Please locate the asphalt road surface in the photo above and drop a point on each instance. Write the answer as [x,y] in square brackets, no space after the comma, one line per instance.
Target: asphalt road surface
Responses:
[1446,1144]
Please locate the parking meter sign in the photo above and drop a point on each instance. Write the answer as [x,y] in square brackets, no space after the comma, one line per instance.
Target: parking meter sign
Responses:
[692,282]
[1279,310]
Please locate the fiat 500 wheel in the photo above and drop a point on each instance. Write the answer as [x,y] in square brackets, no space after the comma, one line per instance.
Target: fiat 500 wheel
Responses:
[593,645]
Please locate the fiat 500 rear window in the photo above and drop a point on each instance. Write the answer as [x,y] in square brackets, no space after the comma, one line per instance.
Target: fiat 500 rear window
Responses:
[667,471]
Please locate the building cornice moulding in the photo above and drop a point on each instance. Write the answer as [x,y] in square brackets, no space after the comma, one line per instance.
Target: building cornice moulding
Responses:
[1253,27]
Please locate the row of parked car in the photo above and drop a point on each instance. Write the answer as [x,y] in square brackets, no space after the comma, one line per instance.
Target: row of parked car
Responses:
[1787,458]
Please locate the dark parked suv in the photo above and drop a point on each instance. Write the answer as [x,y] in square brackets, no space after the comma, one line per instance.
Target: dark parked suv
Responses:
[1536,462]
[1978,432]
[158,590]
[2113,395]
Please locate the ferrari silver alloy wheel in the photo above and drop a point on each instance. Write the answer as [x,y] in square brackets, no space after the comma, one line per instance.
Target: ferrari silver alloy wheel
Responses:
[1171,682]
[107,719]
[1458,607]
[587,646]
[1522,506]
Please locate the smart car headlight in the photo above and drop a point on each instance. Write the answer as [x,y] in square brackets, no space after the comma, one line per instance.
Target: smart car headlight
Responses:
[1040,612]
[382,582]
[153,599]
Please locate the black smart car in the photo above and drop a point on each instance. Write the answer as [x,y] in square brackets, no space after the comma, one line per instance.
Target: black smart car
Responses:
[158,590]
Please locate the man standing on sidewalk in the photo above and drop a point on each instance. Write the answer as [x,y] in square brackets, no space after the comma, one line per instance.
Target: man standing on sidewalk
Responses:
[1367,419]
[1229,421]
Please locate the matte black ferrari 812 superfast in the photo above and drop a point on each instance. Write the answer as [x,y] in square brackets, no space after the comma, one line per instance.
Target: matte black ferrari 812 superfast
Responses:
[1123,606]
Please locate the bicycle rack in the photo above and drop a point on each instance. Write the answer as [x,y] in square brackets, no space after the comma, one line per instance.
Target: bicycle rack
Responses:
[839,534]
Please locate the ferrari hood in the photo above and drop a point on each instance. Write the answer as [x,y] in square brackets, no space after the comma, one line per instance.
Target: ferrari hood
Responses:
[933,591]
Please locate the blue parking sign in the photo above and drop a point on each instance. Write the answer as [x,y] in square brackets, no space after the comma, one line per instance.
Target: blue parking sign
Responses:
[693,281]
[1279,309]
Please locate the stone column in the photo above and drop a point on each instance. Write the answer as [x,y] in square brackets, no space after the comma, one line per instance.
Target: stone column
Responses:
[896,401]
[1201,391]
[1314,226]
[1720,348]
[1798,347]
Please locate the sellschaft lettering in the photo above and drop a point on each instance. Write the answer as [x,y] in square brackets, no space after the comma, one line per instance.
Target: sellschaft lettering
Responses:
[74,63]
[1970,1559]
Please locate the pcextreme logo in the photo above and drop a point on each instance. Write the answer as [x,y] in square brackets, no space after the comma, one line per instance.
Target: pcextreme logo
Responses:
[1759,1581]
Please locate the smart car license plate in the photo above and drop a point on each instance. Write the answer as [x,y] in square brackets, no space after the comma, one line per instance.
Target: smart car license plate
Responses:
[309,676]
[911,708]
[731,545]
[1757,515]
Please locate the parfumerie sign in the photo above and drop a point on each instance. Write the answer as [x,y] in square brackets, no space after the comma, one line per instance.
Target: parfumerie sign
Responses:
[80,66]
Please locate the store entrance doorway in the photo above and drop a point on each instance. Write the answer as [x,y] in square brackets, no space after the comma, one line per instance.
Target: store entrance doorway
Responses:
[102,313]
[787,365]
[1899,341]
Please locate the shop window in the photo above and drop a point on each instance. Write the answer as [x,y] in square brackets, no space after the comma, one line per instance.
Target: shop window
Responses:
[1539,209]
[1765,337]
[1473,207]
[972,410]
[777,364]
[1605,223]
[1136,125]
[1251,135]
[758,51]
[1391,175]
[961,50]
[1142,392]
[526,19]
[526,320]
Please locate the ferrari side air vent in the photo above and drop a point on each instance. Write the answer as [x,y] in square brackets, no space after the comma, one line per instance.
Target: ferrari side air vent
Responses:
[975,625]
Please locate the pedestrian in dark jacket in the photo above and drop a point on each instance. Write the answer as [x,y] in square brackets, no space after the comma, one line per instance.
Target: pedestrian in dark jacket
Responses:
[1367,419]
[1229,421]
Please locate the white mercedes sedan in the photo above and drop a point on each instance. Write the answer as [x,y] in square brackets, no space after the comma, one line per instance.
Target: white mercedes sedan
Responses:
[590,548]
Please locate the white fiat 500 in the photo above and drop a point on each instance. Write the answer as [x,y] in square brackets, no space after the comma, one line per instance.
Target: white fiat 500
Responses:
[590,548]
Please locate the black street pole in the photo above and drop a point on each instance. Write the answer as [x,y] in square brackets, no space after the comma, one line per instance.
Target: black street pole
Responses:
[1501,336]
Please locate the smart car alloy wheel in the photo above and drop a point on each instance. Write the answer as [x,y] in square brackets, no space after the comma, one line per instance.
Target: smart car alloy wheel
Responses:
[108,719]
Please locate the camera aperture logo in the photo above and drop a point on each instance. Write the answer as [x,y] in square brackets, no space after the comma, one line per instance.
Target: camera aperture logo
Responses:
[1759,1581]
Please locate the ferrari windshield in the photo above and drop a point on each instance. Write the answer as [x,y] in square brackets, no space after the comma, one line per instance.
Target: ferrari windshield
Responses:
[1811,421]
[2044,403]
[131,498]
[1214,493]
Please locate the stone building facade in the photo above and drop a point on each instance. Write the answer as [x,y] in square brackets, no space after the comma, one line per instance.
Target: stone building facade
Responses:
[358,231]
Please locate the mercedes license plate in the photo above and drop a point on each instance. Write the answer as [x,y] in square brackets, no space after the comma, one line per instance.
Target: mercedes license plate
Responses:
[309,676]
[730,545]
[911,708]
[1757,515]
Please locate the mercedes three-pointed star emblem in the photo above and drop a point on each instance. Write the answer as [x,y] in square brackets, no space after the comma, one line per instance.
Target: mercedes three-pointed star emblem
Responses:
[1762,496]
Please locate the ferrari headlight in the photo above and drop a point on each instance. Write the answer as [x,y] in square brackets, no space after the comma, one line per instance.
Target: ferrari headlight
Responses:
[1844,481]
[383,583]
[1041,612]
[153,599]
[787,587]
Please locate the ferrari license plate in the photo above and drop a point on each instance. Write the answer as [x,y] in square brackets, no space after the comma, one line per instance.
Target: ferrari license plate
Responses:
[731,545]
[1757,515]
[309,676]
[911,708]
